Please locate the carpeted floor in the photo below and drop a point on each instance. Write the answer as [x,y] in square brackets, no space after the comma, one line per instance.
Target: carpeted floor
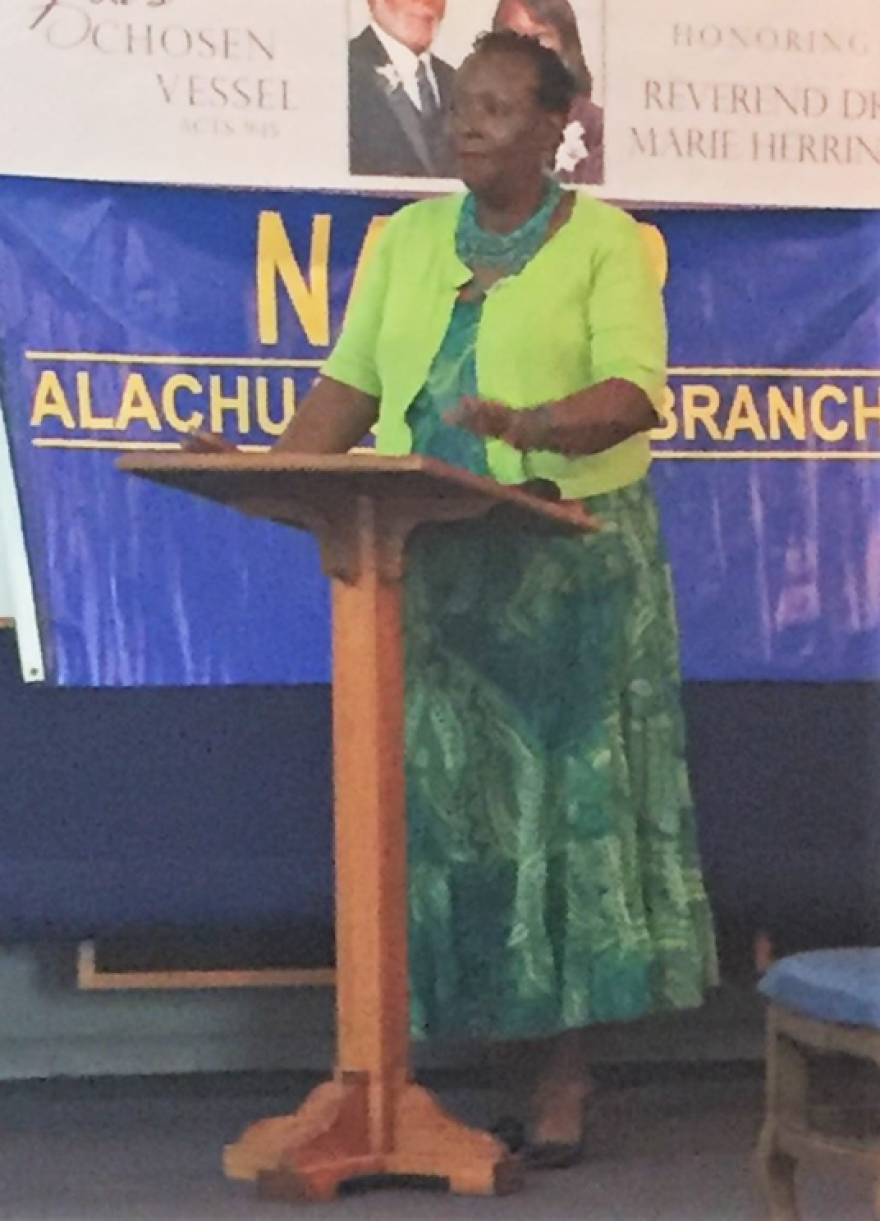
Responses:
[667,1144]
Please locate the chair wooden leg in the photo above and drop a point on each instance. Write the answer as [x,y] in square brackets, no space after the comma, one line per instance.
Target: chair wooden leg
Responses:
[777,1169]
[786,1102]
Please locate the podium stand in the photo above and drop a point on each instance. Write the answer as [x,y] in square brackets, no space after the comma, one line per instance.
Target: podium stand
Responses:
[371,1119]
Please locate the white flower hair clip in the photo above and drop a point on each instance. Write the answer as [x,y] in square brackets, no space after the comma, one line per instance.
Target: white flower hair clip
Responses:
[573,150]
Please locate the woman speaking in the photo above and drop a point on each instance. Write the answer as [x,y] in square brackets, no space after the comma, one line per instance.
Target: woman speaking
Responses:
[517,330]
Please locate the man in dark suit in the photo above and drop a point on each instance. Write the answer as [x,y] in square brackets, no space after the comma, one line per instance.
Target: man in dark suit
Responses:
[399,93]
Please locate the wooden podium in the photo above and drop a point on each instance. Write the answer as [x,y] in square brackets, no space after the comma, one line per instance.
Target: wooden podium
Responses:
[371,1119]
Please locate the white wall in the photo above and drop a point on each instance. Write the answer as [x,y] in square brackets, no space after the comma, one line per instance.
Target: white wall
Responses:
[16,589]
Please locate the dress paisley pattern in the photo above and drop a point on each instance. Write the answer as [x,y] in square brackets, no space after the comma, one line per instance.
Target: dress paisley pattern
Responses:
[554,878]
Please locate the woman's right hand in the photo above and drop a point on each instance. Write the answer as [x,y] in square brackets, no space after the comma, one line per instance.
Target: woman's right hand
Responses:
[201,442]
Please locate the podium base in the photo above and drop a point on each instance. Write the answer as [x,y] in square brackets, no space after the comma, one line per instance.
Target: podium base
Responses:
[337,1136]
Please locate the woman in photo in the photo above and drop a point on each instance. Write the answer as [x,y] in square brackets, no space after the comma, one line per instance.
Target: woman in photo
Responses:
[581,155]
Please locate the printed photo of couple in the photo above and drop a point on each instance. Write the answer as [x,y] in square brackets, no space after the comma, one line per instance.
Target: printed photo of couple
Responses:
[402,57]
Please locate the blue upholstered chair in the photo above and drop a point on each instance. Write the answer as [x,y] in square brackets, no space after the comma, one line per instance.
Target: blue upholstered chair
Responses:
[827,1001]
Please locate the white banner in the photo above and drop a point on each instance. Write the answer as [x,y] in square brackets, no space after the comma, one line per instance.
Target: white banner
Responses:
[763,102]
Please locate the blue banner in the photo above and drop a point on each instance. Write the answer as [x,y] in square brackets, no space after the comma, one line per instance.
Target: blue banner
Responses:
[129,315]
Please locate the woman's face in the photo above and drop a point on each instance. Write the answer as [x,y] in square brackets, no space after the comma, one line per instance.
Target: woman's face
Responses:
[517,16]
[502,137]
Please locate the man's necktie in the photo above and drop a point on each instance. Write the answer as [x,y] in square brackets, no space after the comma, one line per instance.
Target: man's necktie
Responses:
[428,104]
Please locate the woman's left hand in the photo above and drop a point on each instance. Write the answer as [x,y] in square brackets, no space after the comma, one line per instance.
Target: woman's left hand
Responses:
[484,417]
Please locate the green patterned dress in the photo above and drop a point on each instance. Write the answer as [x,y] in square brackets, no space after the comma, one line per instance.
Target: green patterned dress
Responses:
[554,877]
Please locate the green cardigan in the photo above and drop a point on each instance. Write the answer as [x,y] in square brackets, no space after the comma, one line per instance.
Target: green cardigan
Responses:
[588,307]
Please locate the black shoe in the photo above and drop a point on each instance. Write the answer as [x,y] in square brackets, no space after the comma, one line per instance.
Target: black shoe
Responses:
[511,1131]
[555,1154]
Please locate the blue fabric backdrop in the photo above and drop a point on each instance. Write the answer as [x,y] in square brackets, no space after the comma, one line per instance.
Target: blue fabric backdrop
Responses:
[126,310]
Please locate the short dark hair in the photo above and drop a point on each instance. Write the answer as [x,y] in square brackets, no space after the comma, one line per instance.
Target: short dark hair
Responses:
[557,87]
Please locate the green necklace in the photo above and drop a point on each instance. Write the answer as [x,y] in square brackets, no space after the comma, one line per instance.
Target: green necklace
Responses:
[477,247]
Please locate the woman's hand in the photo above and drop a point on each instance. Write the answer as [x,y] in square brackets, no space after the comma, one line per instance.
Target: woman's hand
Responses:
[200,442]
[524,430]
[483,417]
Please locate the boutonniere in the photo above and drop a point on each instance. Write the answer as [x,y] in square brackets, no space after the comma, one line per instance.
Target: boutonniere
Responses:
[390,76]
[573,150]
